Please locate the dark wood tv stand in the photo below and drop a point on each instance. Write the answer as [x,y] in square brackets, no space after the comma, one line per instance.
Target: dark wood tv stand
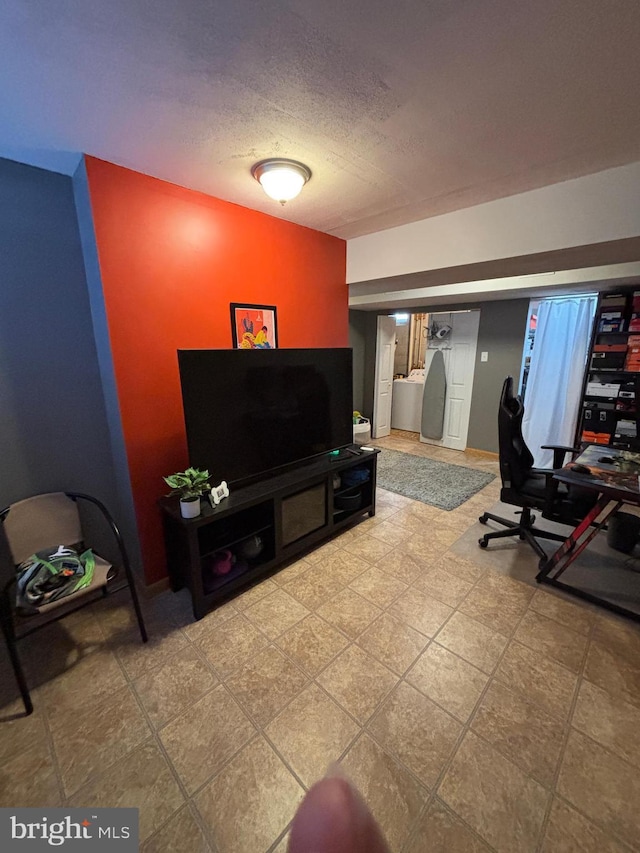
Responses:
[290,513]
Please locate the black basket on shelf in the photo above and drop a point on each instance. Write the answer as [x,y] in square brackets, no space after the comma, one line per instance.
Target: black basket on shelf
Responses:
[348,501]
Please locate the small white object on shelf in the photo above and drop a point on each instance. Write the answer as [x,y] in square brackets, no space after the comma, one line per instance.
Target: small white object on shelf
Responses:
[219,493]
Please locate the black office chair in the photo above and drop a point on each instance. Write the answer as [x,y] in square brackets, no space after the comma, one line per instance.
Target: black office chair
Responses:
[529,487]
[46,522]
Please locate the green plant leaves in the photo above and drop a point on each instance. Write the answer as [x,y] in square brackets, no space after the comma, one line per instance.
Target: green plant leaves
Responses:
[188,484]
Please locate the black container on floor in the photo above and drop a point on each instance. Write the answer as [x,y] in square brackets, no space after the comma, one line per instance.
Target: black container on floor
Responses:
[623,532]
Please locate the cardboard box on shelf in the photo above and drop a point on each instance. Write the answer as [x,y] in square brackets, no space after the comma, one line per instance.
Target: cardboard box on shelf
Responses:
[611,321]
[603,389]
[600,419]
[628,390]
[611,347]
[608,360]
[613,300]
[626,429]
[632,361]
[595,437]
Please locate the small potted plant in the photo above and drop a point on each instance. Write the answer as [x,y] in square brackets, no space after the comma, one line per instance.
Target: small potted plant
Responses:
[189,484]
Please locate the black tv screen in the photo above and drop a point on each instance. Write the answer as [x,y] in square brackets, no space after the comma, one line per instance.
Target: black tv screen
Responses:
[248,412]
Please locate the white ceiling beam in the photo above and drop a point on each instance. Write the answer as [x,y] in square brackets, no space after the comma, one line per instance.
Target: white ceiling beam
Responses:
[593,209]
[516,287]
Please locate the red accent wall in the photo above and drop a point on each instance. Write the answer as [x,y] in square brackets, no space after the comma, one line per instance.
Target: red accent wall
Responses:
[171,261]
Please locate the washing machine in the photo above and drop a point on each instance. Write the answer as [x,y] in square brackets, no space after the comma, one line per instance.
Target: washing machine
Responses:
[406,402]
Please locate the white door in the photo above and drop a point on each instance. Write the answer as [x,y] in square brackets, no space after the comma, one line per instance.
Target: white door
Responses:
[385,352]
[460,362]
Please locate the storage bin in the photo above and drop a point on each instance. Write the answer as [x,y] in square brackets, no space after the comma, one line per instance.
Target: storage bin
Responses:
[350,501]
[362,431]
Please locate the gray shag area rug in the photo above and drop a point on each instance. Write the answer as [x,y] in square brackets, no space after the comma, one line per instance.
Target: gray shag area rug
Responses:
[437,483]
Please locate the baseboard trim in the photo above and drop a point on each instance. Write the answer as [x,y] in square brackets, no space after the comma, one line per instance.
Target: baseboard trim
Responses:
[489,453]
[153,589]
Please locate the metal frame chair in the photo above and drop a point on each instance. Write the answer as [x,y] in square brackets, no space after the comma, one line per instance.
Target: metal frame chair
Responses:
[43,521]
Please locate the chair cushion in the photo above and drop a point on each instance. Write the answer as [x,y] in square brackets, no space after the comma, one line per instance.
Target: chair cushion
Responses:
[534,494]
[54,576]
[570,503]
[535,486]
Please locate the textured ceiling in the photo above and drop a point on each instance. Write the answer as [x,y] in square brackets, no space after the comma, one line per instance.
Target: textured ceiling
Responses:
[402,109]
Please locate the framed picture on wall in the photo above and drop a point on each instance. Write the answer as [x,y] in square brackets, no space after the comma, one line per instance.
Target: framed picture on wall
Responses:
[254,326]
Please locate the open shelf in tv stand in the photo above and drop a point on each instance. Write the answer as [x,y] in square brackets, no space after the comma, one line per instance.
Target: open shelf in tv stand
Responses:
[260,509]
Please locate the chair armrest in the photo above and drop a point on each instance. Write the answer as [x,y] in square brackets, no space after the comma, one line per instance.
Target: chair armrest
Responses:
[559,452]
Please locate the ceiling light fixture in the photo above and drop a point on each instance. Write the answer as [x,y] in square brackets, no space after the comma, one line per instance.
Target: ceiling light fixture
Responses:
[281,179]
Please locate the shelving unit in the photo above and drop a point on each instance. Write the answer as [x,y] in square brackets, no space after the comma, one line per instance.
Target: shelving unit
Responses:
[611,388]
[280,517]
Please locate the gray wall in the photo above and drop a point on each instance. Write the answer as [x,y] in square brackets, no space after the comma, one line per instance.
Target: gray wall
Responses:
[53,427]
[357,338]
[501,334]
[362,338]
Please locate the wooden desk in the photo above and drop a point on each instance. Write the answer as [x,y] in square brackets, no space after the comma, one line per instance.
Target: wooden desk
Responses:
[615,475]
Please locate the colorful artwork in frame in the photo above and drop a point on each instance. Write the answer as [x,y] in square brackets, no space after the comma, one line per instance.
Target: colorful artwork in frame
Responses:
[254,326]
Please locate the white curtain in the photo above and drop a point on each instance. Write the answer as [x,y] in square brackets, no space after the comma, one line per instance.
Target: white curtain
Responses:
[554,384]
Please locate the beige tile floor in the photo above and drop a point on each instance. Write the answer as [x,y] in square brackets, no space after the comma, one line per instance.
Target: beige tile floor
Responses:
[475,712]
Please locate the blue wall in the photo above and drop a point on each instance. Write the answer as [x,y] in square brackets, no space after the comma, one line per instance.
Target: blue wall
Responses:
[53,426]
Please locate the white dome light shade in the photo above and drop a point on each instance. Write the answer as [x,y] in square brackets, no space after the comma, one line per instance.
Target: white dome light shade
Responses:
[282,180]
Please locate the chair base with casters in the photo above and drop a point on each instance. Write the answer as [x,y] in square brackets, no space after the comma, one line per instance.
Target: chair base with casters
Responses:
[42,522]
[524,529]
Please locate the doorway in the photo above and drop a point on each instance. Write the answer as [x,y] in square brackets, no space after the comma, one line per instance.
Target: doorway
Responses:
[405,347]
[383,388]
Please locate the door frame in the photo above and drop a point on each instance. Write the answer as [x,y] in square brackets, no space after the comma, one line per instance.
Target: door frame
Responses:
[382,336]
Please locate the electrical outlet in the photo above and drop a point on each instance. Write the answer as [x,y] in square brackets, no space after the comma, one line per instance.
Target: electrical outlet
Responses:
[484,356]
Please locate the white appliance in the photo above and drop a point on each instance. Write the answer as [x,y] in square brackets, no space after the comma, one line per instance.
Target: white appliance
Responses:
[406,405]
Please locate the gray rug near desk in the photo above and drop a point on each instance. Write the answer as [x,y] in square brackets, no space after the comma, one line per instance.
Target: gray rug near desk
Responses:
[436,483]
[599,569]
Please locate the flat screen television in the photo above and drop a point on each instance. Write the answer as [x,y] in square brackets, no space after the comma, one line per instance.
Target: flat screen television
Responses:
[249,412]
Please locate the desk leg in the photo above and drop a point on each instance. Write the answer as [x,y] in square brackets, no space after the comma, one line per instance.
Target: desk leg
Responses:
[573,546]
